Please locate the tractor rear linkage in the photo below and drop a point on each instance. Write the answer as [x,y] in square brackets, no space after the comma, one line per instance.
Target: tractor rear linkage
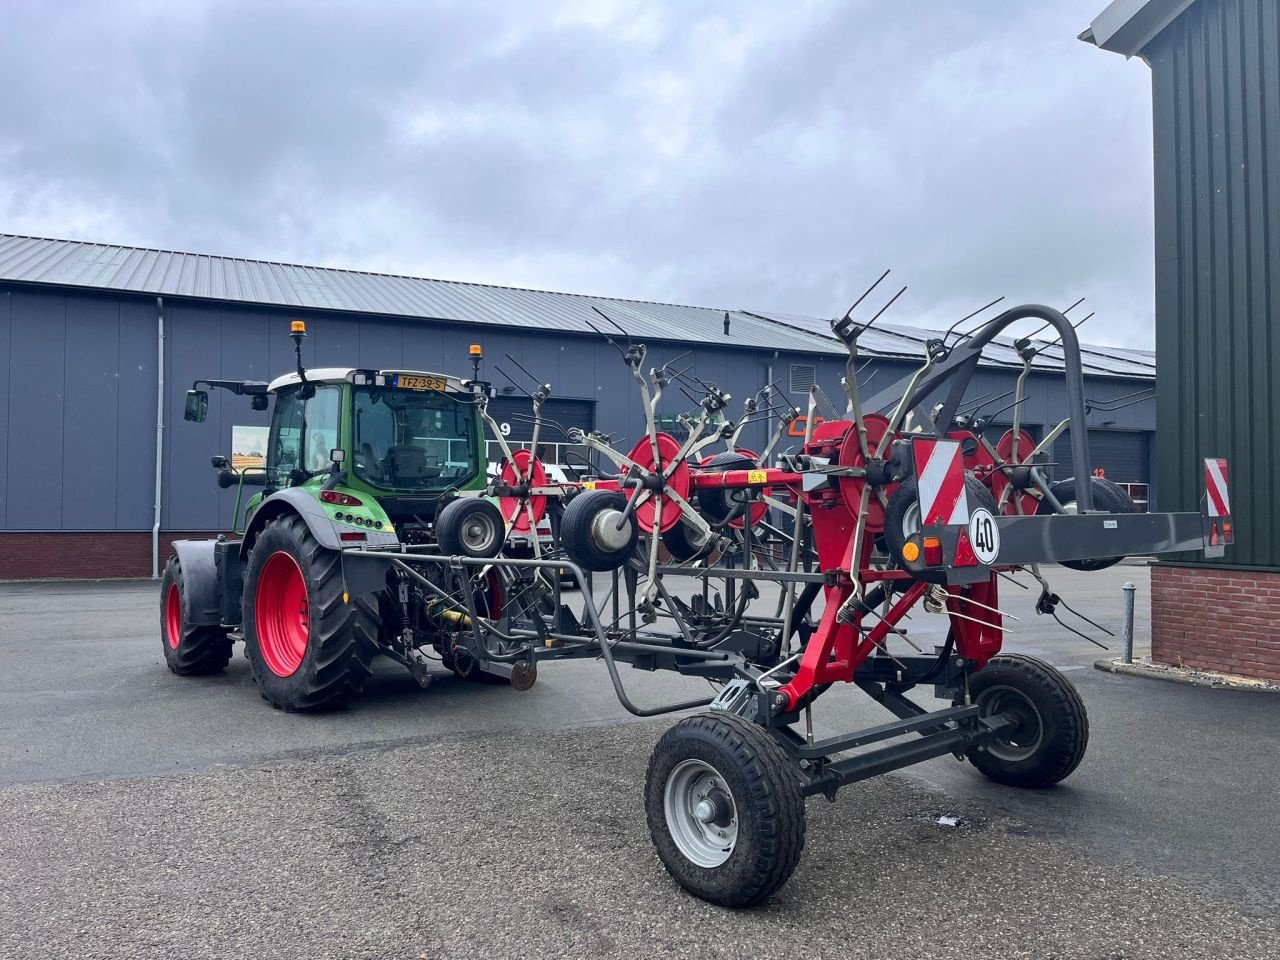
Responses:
[897,504]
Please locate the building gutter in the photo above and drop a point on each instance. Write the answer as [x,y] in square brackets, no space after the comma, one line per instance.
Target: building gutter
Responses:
[155,520]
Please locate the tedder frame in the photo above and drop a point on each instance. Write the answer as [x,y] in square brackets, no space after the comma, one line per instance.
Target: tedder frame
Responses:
[903,503]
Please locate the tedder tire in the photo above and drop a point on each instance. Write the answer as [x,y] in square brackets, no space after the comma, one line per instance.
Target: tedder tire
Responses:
[589,530]
[725,809]
[902,518]
[189,650]
[470,527]
[1053,727]
[309,646]
[1107,497]
[685,543]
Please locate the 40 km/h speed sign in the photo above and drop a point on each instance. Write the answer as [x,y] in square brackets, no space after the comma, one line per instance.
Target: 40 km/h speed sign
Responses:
[984,535]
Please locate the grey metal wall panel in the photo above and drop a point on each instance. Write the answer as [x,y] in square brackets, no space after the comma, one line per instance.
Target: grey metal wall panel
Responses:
[6,401]
[1216,90]
[193,349]
[89,436]
[37,391]
[136,433]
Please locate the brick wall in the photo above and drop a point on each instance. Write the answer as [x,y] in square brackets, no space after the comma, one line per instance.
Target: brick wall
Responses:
[76,556]
[1224,620]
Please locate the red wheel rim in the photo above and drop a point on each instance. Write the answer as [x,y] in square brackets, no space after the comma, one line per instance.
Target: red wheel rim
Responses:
[513,511]
[282,614]
[999,481]
[851,456]
[679,482]
[173,616]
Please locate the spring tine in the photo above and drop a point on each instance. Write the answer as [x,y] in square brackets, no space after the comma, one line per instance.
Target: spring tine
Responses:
[522,369]
[969,316]
[1096,643]
[1084,618]
[1013,580]
[865,293]
[962,616]
[984,606]
[892,300]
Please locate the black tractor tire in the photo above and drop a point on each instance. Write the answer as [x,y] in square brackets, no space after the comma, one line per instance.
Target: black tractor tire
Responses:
[717,504]
[1053,730]
[189,650]
[764,811]
[902,516]
[685,543]
[334,635]
[1107,497]
[577,530]
[470,527]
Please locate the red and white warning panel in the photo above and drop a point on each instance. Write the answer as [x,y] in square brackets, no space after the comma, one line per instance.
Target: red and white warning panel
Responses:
[1217,504]
[940,482]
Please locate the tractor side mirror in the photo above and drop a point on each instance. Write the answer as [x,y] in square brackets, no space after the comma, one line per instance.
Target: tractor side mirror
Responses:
[197,408]
[337,455]
[220,463]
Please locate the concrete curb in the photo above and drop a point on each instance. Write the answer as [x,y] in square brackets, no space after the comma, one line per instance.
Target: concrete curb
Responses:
[1195,678]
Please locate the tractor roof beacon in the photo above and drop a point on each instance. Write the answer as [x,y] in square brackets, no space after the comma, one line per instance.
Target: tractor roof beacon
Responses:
[379,530]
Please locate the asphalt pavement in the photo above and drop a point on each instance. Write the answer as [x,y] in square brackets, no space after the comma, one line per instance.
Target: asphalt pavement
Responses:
[150,815]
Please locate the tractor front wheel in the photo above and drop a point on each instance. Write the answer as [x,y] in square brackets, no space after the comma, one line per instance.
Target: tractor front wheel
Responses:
[310,645]
[189,649]
[725,809]
[1049,728]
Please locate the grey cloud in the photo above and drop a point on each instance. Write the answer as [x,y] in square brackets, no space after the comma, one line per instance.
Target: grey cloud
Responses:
[746,154]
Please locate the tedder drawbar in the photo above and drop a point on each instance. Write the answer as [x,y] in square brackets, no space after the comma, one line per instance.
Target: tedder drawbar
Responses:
[378,530]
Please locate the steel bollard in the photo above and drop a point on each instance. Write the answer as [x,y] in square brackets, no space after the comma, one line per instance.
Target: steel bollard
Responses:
[1126,637]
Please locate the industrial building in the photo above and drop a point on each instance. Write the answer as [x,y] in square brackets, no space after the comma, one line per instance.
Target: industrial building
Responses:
[1215,70]
[98,344]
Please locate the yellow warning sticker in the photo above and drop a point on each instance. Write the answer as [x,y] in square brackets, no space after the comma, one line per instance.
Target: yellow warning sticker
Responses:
[589,485]
[757,476]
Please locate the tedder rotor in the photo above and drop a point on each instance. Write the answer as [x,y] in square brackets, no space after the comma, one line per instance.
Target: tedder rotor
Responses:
[775,577]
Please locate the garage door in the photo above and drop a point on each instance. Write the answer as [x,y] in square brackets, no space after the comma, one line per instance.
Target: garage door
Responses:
[1122,456]
[515,417]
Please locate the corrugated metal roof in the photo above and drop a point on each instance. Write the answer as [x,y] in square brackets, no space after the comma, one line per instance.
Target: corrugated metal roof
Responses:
[896,341]
[170,273]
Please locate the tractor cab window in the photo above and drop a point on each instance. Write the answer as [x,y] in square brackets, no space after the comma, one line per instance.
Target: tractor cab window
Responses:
[303,431]
[413,440]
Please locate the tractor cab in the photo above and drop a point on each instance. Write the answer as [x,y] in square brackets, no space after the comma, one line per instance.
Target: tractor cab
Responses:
[374,449]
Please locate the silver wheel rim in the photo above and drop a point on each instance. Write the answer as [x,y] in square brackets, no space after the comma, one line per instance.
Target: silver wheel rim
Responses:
[1024,740]
[701,814]
[605,532]
[911,520]
[478,534]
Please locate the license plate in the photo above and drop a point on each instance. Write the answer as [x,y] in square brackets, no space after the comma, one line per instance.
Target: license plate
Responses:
[405,382]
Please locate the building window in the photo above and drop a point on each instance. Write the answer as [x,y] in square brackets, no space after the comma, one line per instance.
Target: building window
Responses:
[803,376]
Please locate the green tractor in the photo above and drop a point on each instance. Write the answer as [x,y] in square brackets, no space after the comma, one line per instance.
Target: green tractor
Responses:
[386,460]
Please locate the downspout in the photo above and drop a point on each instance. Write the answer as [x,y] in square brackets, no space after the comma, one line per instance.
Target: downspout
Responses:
[155,520]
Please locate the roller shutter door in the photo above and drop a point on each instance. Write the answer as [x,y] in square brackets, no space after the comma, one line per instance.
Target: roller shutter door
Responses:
[1122,455]
[515,415]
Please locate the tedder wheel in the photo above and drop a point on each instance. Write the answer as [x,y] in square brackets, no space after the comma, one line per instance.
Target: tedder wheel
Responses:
[189,650]
[1052,727]
[309,644]
[725,809]
[590,534]
[685,542]
[470,527]
[1107,497]
[902,518]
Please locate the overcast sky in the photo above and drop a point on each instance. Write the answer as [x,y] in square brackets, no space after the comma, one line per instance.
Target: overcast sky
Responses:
[757,155]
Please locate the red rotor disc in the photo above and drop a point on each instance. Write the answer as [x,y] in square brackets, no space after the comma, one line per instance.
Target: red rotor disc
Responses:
[851,456]
[999,480]
[679,482]
[512,507]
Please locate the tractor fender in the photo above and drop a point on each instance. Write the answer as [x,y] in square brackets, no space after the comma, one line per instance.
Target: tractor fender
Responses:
[364,572]
[199,581]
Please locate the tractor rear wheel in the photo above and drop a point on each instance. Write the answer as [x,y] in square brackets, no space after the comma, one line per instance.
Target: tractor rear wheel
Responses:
[310,645]
[189,650]
[1051,728]
[725,809]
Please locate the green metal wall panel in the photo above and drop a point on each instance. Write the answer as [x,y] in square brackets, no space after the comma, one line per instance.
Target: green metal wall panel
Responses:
[1216,97]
